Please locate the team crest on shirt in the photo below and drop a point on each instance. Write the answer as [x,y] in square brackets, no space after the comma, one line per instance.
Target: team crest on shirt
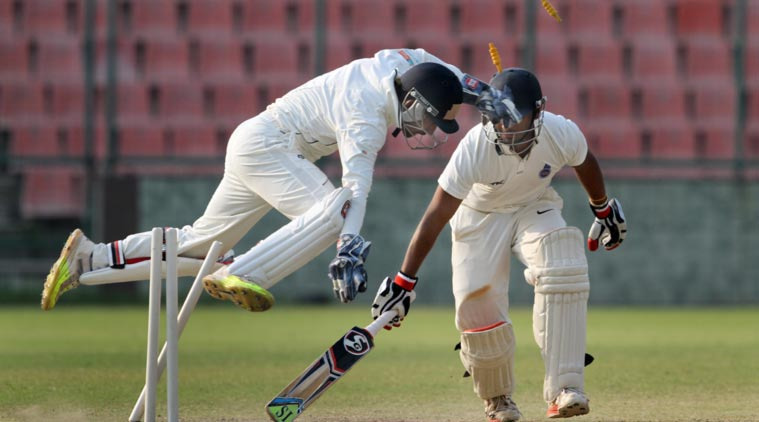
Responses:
[545,171]
[406,56]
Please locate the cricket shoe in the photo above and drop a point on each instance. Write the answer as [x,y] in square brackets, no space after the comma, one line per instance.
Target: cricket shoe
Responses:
[502,409]
[64,275]
[244,293]
[570,402]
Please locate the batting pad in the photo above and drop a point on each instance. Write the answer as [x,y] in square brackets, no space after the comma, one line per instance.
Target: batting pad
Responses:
[559,313]
[488,354]
[295,243]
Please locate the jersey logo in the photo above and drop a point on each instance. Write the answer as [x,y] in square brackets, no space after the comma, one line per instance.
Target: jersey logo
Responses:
[406,56]
[500,182]
[545,171]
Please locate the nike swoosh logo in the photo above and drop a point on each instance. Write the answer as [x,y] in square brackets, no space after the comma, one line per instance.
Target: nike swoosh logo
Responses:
[544,211]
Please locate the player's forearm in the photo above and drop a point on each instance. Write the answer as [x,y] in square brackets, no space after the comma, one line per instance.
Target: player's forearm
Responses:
[439,212]
[421,244]
[590,176]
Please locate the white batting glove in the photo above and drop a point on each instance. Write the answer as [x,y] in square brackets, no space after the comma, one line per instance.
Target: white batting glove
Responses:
[609,227]
[394,294]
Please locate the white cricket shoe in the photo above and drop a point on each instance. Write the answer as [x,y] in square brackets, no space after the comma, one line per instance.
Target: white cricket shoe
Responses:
[570,402]
[502,409]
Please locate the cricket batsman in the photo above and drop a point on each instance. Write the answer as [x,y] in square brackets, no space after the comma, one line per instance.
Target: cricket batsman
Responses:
[496,192]
[270,164]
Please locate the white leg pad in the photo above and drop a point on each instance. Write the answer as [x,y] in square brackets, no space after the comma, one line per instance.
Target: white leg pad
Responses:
[559,313]
[296,243]
[488,355]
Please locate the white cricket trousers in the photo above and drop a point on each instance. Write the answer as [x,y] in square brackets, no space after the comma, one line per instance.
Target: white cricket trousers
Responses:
[483,244]
[262,170]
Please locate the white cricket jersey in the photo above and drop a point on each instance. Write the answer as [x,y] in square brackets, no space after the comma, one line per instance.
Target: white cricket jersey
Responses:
[490,182]
[349,110]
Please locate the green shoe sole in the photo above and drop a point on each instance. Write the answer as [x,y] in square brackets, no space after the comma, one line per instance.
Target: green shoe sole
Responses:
[248,296]
[61,279]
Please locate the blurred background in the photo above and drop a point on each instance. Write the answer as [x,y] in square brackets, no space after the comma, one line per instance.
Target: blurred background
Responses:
[114,117]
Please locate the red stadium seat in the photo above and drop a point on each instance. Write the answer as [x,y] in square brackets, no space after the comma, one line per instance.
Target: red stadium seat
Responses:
[165,58]
[705,59]
[60,59]
[715,141]
[209,16]
[196,140]
[562,98]
[34,140]
[653,59]
[752,22]
[52,193]
[752,101]
[236,102]
[751,142]
[647,17]
[276,57]
[52,17]
[671,140]
[279,17]
[359,17]
[8,23]
[613,138]
[490,20]
[587,19]
[711,103]
[180,102]
[551,57]
[133,102]
[655,102]
[425,17]
[699,17]
[751,59]
[602,100]
[22,101]
[148,18]
[14,60]
[219,59]
[141,140]
[595,60]
[68,102]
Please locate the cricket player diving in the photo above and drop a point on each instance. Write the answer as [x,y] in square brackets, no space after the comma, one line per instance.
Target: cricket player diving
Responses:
[496,192]
[270,164]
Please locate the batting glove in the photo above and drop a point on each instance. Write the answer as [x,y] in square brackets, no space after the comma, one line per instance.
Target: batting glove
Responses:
[609,226]
[497,106]
[347,269]
[394,294]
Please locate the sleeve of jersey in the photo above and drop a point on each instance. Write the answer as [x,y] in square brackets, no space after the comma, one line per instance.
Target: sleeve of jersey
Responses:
[458,176]
[358,145]
[573,143]
[424,57]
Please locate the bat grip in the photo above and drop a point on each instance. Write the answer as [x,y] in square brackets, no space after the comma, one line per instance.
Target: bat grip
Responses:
[380,322]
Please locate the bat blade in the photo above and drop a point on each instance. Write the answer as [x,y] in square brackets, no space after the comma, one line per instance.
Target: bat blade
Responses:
[324,371]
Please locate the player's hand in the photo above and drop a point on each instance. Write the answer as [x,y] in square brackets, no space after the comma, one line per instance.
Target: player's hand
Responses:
[609,227]
[394,294]
[347,269]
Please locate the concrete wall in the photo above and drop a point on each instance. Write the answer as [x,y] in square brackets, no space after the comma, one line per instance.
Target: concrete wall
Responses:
[689,242]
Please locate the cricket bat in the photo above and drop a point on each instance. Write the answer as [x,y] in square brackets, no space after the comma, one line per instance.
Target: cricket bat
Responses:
[325,371]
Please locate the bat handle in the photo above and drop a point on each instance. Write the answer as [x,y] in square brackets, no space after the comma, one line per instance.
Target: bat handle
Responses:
[380,322]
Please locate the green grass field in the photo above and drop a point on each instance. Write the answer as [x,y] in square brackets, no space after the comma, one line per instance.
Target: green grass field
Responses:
[87,364]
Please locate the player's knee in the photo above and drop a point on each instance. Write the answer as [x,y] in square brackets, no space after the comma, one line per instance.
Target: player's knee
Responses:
[561,264]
